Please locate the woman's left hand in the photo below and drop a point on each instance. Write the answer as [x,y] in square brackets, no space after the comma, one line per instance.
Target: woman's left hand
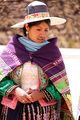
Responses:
[35,95]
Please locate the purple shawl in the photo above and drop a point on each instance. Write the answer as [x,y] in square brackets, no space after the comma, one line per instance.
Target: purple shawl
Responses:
[48,58]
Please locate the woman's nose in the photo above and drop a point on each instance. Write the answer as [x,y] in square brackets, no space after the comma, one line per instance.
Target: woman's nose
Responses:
[43,34]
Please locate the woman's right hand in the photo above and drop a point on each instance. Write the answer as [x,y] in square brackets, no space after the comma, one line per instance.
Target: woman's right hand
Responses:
[21,95]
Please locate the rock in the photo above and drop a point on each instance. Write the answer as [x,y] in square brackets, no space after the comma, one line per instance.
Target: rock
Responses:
[12,11]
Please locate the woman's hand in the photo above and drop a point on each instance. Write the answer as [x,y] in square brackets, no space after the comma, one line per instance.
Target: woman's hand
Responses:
[35,95]
[21,95]
[29,96]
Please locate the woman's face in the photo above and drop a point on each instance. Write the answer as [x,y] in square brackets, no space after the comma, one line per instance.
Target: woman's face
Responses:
[38,33]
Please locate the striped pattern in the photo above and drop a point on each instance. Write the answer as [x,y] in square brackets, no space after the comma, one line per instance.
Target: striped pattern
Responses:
[31,111]
[58,77]
[52,64]
[4,69]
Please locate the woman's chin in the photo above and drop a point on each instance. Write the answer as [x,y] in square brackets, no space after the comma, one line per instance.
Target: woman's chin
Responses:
[40,41]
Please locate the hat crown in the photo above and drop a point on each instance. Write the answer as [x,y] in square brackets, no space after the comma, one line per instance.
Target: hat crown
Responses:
[36,3]
[38,11]
[36,7]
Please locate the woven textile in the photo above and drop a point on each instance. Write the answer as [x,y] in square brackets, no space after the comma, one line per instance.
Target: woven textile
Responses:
[52,64]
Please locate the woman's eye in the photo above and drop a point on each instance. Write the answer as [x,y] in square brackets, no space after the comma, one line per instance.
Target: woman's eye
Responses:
[38,29]
[46,30]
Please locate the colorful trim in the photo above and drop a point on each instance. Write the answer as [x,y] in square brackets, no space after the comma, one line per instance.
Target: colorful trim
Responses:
[37,15]
[4,69]
[52,64]
[47,95]
[10,89]
[60,81]
[53,92]
[14,57]
[58,76]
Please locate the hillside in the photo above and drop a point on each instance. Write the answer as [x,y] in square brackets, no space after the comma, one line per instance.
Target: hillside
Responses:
[12,11]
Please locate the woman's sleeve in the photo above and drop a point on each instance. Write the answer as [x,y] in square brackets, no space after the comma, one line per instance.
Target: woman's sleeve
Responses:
[6,86]
[50,92]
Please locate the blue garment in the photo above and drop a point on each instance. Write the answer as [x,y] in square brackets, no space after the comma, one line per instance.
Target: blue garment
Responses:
[30,45]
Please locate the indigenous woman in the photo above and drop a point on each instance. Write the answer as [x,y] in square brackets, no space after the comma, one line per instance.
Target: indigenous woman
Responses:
[33,80]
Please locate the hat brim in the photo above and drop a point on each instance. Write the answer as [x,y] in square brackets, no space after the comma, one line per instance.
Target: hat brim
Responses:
[53,20]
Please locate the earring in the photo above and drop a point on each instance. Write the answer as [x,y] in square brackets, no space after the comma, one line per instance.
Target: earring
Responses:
[26,32]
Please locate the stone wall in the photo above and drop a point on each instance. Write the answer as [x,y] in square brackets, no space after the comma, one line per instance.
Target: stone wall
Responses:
[12,11]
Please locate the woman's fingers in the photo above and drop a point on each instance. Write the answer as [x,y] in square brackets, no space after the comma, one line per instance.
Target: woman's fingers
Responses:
[24,99]
[30,98]
[35,96]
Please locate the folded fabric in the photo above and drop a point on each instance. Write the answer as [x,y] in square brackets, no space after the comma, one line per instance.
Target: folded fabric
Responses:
[53,92]
[5,85]
[9,102]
